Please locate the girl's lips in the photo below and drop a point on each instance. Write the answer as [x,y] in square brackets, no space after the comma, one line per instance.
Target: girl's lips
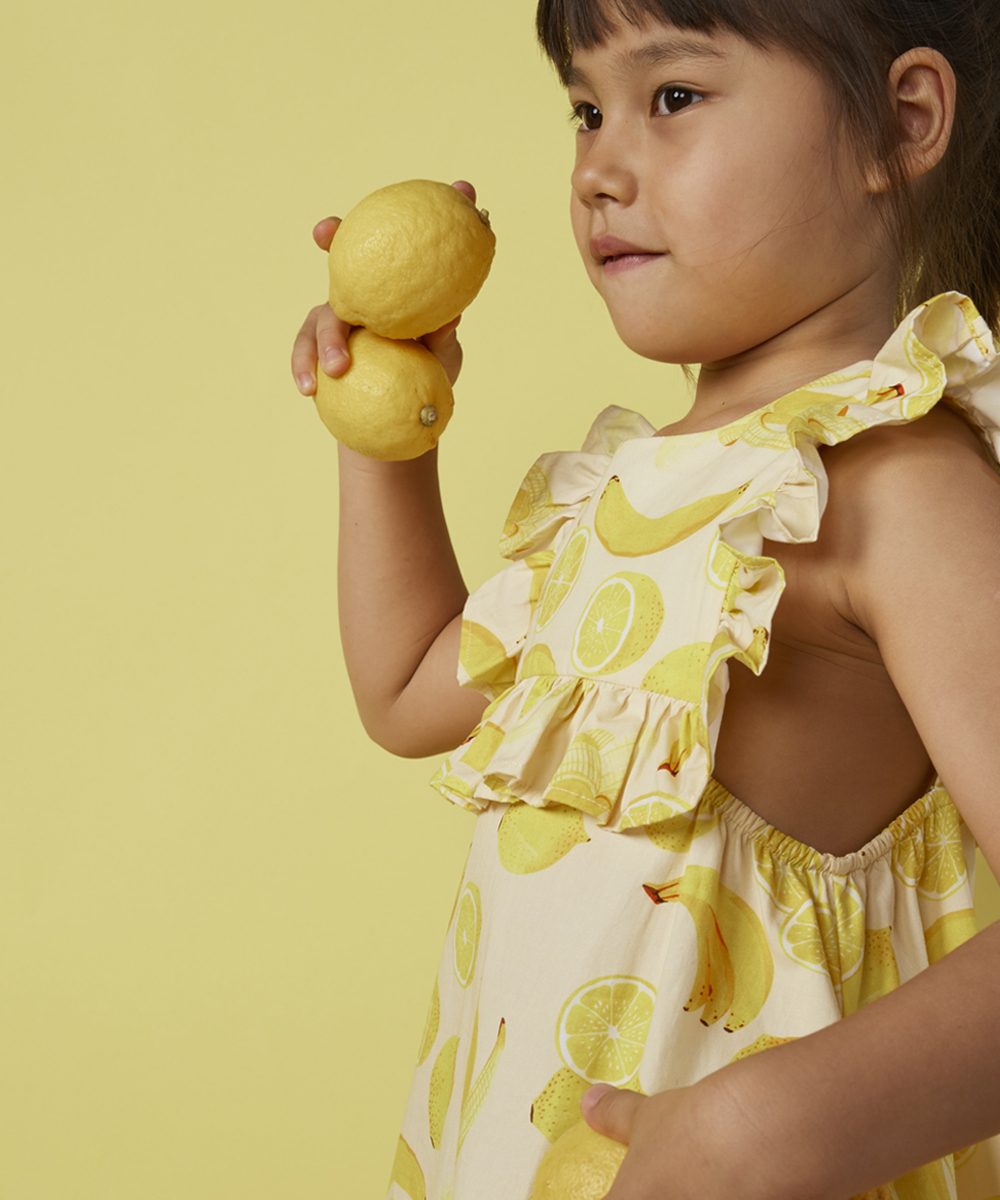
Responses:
[626,262]
[616,255]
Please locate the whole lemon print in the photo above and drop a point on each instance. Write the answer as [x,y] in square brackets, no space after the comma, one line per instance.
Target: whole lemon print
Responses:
[580,1165]
[409,258]
[393,403]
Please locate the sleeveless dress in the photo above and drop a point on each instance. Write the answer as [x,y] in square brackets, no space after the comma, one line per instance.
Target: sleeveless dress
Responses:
[622,917]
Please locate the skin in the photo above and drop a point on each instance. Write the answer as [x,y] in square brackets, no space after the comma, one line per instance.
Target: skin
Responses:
[761,239]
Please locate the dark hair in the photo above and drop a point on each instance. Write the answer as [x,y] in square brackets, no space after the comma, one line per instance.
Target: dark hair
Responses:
[947,232]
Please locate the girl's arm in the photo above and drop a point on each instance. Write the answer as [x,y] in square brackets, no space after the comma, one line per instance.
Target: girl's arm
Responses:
[400,590]
[915,1075]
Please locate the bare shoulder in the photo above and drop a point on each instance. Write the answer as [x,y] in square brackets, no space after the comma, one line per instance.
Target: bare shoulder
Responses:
[926,479]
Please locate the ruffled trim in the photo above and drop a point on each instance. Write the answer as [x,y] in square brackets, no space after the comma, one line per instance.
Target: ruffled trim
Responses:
[547,738]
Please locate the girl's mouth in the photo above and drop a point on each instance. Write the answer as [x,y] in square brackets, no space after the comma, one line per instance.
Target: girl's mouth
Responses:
[615,255]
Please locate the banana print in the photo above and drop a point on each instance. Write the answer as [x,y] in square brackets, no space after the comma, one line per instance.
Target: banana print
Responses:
[474,1097]
[406,1172]
[626,533]
[735,968]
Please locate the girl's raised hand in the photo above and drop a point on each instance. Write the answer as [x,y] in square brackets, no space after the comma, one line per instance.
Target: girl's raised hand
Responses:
[323,336]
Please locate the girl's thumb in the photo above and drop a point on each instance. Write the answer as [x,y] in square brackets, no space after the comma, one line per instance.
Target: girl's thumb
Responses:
[610,1111]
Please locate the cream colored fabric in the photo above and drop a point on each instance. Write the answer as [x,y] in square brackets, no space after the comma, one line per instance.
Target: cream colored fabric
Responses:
[622,918]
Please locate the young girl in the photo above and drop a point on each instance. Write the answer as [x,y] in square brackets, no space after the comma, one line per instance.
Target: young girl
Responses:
[709,713]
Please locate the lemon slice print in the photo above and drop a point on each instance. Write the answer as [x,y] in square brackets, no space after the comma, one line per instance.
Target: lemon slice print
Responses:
[619,624]
[563,576]
[941,869]
[603,1026]
[781,880]
[468,926]
[828,940]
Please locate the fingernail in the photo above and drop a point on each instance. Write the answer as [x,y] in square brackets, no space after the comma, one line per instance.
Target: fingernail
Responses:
[306,383]
[591,1096]
[333,358]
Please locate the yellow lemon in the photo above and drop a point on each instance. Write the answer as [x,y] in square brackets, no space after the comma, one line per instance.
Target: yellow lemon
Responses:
[580,1165]
[441,1087]
[601,1032]
[935,864]
[828,939]
[532,839]
[468,927]
[619,624]
[409,258]
[393,403]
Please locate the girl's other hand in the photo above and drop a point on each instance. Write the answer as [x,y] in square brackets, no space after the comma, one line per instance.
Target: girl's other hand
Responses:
[323,336]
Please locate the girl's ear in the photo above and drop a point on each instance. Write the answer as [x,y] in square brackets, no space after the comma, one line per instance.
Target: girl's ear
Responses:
[922,93]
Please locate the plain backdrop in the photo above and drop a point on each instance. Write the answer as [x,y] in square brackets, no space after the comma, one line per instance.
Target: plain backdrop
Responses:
[221,908]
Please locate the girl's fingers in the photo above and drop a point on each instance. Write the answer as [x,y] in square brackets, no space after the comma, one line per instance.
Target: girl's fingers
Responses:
[445,346]
[324,230]
[331,342]
[466,188]
[323,336]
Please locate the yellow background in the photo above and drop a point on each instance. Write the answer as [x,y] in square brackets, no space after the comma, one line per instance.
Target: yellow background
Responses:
[220,907]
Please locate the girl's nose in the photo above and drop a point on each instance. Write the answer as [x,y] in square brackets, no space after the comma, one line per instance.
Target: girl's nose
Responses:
[603,173]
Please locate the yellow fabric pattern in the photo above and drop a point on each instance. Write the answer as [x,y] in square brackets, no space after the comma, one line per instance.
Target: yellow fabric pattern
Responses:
[622,917]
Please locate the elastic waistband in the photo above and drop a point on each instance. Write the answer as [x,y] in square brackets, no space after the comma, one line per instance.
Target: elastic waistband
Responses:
[785,848]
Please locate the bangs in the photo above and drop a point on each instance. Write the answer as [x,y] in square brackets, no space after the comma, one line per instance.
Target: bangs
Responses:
[563,25]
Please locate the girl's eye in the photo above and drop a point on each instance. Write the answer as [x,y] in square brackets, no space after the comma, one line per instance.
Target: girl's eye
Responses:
[672,99]
[586,116]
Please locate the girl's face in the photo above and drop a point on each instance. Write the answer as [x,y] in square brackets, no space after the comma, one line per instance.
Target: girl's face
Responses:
[712,204]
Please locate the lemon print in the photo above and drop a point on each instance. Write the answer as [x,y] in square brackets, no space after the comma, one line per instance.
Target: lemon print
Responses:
[442,1085]
[556,1108]
[409,258]
[676,832]
[681,673]
[393,403]
[828,940]
[581,1165]
[934,864]
[468,926]
[539,564]
[485,658]
[936,1181]
[563,576]
[782,881]
[626,533]
[407,1174]
[619,624]
[949,932]
[531,839]
[431,1026]
[879,972]
[602,1028]
[532,510]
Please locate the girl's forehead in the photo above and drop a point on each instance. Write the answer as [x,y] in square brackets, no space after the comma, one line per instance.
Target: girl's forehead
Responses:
[630,47]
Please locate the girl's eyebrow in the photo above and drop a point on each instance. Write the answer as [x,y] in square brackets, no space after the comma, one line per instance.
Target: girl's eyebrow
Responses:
[653,54]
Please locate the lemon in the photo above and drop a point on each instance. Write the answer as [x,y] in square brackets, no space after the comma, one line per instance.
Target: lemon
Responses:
[563,576]
[409,258]
[602,1028]
[431,1026]
[533,839]
[935,865]
[580,1165]
[828,939]
[619,624]
[393,403]
[441,1086]
[467,929]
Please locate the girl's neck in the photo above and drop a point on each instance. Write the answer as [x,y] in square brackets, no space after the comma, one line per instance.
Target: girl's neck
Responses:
[853,328]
